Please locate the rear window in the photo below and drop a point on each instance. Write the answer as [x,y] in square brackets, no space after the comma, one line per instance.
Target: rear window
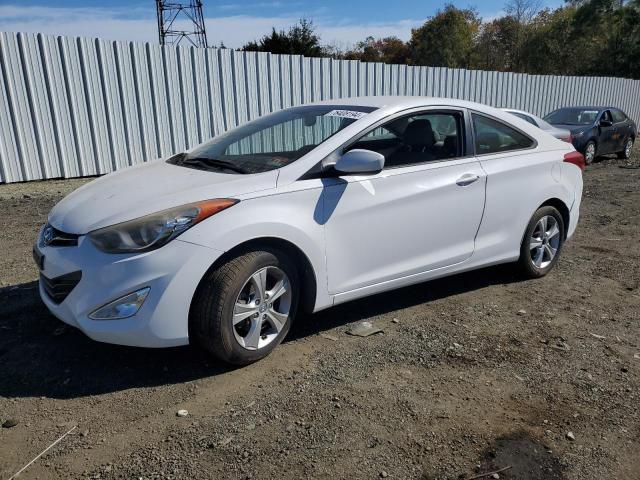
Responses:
[524,117]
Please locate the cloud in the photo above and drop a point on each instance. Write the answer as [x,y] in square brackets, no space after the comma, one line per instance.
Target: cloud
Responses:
[139,24]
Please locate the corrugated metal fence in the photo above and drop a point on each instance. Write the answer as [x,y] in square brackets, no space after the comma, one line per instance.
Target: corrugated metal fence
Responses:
[72,107]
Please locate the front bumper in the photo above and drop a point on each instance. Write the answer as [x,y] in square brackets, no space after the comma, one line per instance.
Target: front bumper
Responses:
[172,273]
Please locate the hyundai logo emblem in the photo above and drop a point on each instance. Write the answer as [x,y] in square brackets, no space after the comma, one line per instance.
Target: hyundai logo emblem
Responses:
[47,235]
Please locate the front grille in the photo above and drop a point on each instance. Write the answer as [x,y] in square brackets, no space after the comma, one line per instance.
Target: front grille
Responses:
[52,237]
[59,288]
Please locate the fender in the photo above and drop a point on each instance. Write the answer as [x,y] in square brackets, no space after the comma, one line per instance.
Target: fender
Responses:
[261,217]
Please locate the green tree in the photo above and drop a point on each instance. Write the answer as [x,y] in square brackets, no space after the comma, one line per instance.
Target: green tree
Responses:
[300,39]
[551,46]
[447,39]
[611,30]
[497,45]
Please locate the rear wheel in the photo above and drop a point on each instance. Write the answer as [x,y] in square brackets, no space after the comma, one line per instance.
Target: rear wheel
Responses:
[244,308]
[628,146]
[590,152]
[542,242]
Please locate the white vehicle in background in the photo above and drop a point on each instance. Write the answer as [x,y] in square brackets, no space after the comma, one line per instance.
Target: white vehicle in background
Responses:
[304,208]
[560,133]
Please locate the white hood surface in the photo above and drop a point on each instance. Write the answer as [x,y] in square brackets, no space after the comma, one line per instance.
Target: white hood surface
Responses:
[145,189]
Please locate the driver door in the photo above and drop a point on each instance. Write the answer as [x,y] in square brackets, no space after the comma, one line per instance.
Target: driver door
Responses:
[420,213]
[607,134]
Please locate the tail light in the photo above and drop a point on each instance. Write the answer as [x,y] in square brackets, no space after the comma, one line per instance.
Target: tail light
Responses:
[576,158]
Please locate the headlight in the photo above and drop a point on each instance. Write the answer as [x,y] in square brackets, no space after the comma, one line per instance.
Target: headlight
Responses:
[154,231]
[577,134]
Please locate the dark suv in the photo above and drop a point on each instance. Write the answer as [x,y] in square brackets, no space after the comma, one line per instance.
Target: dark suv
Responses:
[596,130]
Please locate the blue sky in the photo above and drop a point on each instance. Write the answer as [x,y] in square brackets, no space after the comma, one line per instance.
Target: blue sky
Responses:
[339,22]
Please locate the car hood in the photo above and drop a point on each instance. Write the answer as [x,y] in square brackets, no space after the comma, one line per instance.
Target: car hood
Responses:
[148,188]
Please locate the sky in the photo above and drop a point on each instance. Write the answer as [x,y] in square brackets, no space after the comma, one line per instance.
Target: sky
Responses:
[340,23]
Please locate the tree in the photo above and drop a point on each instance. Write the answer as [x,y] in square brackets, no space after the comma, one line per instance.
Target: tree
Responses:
[611,30]
[386,50]
[301,39]
[447,39]
[523,11]
[551,46]
[497,45]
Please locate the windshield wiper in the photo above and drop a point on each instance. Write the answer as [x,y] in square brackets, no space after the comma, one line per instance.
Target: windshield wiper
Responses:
[213,162]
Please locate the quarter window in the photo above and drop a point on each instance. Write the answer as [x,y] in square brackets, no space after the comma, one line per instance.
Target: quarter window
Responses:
[493,136]
[418,138]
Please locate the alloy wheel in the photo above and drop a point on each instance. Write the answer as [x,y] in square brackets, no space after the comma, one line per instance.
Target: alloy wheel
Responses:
[544,241]
[262,308]
[628,147]
[590,153]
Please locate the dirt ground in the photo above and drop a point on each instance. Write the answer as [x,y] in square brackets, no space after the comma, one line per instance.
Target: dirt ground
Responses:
[474,373]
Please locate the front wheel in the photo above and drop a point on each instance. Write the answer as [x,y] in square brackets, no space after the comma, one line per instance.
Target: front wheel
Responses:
[628,146]
[244,308]
[590,152]
[542,242]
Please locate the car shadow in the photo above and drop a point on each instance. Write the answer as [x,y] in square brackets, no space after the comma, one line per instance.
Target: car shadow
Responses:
[42,357]
[421,293]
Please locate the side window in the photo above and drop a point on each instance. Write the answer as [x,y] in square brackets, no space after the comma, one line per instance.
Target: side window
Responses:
[380,133]
[417,138]
[493,136]
[618,116]
[606,115]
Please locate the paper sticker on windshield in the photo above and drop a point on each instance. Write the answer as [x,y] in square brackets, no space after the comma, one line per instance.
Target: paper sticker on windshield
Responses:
[346,114]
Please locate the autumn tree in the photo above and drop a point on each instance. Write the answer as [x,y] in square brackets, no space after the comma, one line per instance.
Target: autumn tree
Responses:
[386,50]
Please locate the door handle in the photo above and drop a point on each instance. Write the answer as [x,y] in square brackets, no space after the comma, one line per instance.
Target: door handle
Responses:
[467,179]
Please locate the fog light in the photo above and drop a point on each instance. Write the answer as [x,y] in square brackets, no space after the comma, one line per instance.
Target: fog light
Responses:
[123,307]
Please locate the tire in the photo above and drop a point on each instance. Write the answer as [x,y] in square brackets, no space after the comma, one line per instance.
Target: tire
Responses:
[588,157]
[628,146]
[231,290]
[530,263]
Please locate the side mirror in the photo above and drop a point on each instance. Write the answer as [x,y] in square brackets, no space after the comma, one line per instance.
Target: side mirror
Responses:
[360,161]
[606,123]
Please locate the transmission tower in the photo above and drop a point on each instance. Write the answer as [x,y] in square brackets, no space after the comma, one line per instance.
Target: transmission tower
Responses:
[172,16]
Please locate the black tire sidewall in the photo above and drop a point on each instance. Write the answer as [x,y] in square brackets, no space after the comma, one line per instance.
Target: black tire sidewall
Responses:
[595,152]
[220,339]
[526,264]
[623,153]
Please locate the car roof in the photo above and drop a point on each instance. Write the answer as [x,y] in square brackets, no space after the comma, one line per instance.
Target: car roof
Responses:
[588,107]
[393,101]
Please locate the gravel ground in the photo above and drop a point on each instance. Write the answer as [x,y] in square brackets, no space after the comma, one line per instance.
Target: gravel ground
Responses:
[472,374]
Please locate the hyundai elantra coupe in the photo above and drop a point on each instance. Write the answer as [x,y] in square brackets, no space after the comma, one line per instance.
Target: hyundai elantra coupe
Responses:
[304,209]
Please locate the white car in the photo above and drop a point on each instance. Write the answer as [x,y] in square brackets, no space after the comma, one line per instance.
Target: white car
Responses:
[304,208]
[560,133]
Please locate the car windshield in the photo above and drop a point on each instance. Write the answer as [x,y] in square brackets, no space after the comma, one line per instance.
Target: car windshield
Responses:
[272,141]
[572,116]
[524,117]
